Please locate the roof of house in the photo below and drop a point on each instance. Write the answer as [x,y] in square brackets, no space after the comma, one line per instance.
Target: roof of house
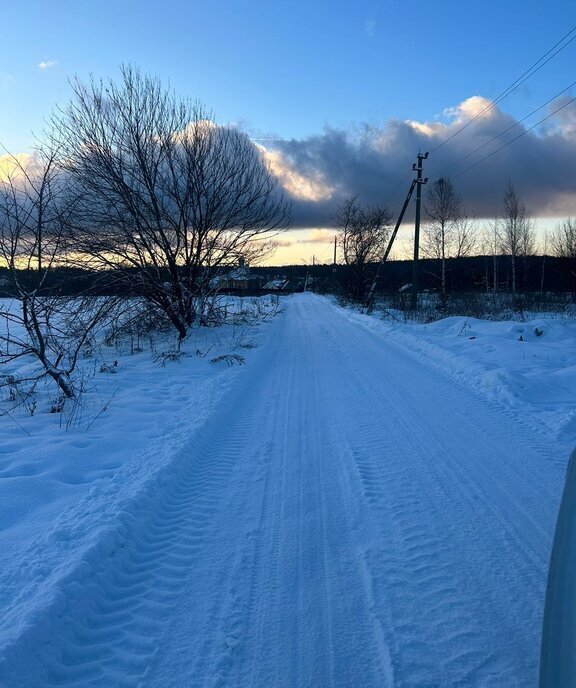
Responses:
[241,273]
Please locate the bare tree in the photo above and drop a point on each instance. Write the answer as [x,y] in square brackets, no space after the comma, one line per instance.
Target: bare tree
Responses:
[563,239]
[363,233]
[528,246]
[449,232]
[38,322]
[563,245]
[167,196]
[517,234]
[545,245]
[465,238]
[491,246]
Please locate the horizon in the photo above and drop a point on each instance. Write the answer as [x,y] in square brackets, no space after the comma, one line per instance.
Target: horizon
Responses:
[335,123]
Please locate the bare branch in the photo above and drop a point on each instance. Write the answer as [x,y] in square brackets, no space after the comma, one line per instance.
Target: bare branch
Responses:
[167,197]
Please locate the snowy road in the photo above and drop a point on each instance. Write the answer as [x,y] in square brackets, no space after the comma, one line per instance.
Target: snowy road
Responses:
[351,518]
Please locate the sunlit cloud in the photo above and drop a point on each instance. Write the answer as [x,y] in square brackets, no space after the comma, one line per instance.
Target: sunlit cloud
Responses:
[309,186]
[372,161]
[47,64]
[13,166]
[317,236]
[475,106]
[429,129]
[195,129]
[284,243]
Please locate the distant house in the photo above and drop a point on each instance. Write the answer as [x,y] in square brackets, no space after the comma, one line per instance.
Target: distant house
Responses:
[277,284]
[240,278]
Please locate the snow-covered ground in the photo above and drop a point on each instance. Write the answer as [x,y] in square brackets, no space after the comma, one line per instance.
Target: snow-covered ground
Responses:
[65,478]
[527,365]
[363,503]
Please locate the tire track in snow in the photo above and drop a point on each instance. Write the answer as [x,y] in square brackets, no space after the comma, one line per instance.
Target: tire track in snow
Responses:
[109,614]
[311,622]
[298,614]
[408,343]
[282,649]
[242,540]
[330,528]
[367,572]
[113,610]
[432,499]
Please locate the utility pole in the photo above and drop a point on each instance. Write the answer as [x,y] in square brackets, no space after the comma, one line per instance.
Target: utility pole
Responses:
[389,247]
[334,268]
[417,167]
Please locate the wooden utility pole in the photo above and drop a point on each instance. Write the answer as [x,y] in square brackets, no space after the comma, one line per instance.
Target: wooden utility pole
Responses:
[389,247]
[417,167]
[334,268]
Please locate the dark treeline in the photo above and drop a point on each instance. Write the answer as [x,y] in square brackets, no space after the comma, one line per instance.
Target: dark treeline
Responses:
[476,273]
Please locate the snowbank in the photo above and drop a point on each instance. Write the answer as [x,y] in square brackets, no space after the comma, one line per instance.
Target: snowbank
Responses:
[68,481]
[529,366]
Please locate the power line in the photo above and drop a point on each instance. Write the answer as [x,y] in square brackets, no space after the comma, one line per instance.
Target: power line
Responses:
[569,102]
[393,194]
[514,85]
[505,131]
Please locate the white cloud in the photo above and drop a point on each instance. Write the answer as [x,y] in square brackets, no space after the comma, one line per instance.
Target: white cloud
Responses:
[13,167]
[563,117]
[308,186]
[47,64]
[370,27]
[429,129]
[317,236]
[320,171]
[475,106]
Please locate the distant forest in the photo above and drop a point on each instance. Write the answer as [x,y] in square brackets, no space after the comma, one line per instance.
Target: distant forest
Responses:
[470,274]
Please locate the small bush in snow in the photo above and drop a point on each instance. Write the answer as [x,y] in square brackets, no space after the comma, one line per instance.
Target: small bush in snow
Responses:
[169,357]
[109,367]
[486,306]
[230,359]
[58,403]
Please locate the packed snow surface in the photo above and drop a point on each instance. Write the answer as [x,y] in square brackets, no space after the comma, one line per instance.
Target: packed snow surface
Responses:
[361,504]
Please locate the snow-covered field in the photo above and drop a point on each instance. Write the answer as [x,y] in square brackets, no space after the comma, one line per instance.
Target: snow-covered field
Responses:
[363,503]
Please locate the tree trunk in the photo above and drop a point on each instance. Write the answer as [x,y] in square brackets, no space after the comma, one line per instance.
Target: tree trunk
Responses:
[495,286]
[63,382]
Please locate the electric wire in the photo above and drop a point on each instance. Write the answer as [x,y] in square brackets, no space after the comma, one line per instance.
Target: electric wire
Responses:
[569,102]
[393,193]
[533,69]
[505,131]
[514,85]
[558,47]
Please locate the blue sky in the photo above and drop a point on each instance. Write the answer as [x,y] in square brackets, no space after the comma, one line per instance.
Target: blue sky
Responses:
[288,69]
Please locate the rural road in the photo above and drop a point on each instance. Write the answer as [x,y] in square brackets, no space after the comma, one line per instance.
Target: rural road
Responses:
[351,518]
